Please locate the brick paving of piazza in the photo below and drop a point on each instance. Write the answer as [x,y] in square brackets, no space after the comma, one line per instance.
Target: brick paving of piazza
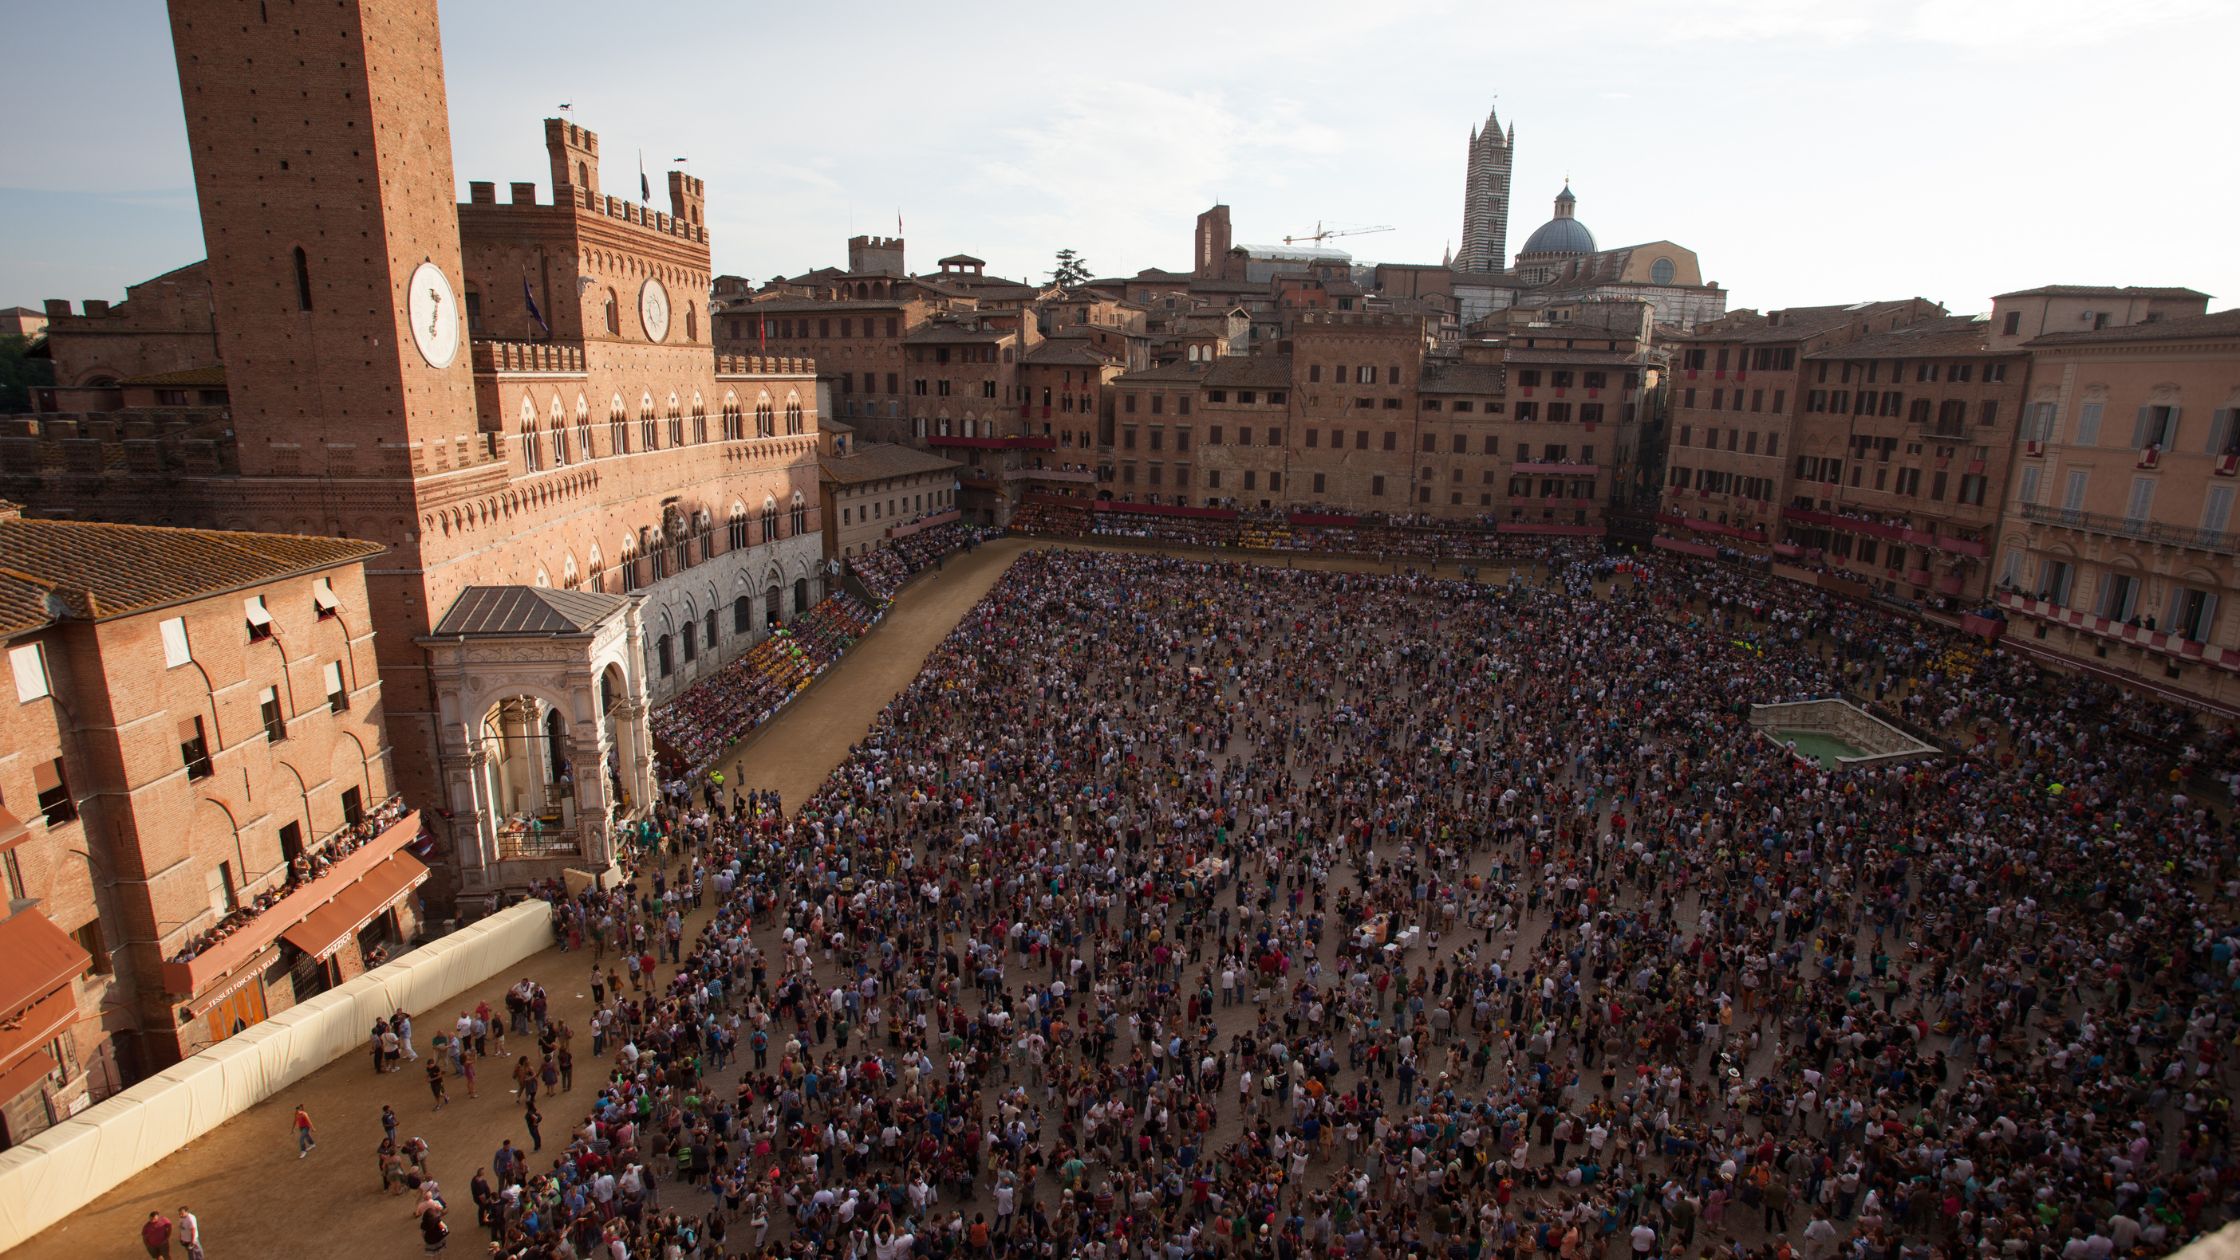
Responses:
[1516,904]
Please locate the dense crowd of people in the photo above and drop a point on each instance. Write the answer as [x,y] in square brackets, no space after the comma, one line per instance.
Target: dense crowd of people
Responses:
[1392,537]
[1196,909]
[884,571]
[701,724]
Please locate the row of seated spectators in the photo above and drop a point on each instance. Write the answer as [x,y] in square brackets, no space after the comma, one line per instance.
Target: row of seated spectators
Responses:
[1183,531]
[929,545]
[1064,518]
[715,713]
[1417,538]
[883,572]
[304,868]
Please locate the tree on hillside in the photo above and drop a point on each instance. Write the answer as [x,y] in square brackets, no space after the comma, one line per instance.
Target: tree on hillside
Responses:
[1072,270]
[19,373]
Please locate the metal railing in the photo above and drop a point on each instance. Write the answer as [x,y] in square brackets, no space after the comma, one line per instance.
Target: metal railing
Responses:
[2143,530]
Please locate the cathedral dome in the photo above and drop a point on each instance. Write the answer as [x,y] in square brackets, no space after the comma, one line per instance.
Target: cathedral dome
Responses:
[1562,234]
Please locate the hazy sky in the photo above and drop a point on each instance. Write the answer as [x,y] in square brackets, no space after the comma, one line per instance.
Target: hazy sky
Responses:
[1809,151]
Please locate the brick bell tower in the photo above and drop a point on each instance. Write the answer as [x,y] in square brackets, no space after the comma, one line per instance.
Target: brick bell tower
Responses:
[322,163]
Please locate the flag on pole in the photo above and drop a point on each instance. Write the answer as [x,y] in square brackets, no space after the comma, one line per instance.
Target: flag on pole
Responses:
[762,332]
[645,186]
[529,299]
[898,220]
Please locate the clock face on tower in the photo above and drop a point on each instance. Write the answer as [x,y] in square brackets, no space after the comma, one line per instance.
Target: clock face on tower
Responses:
[653,310]
[433,311]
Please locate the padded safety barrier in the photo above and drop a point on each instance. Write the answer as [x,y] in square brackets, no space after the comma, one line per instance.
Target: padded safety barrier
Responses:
[55,1173]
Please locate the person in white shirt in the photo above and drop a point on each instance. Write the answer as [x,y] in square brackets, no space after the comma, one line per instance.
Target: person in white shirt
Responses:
[1819,1238]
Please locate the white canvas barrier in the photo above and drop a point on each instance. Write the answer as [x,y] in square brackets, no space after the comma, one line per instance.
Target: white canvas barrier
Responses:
[70,1165]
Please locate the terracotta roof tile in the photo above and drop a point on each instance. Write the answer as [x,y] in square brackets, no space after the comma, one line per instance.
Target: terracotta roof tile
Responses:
[2095,290]
[1251,371]
[1952,335]
[881,461]
[97,571]
[1171,374]
[2221,324]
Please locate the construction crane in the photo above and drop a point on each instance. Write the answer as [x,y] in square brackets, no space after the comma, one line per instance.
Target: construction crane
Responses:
[1322,233]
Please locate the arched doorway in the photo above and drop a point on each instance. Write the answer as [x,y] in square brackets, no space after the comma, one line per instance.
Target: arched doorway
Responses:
[524,750]
[622,748]
[772,606]
[800,596]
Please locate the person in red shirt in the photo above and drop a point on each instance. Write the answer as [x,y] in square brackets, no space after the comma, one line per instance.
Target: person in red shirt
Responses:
[156,1235]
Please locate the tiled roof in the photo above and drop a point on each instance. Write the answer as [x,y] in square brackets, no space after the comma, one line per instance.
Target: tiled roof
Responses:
[1171,374]
[1952,335]
[1053,354]
[520,611]
[2096,290]
[826,424]
[1559,354]
[963,260]
[882,461]
[95,571]
[2220,324]
[214,374]
[1462,378]
[797,306]
[954,334]
[1250,371]
[1794,323]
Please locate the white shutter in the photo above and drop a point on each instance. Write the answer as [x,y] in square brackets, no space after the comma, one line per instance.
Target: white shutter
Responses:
[30,666]
[333,675]
[2088,424]
[253,608]
[2220,430]
[175,649]
[2139,430]
[2216,509]
[2169,439]
[2030,484]
[2142,499]
[2072,500]
[322,594]
[2205,629]
[2011,568]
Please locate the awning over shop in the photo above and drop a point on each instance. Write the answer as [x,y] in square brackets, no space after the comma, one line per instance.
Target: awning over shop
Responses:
[37,963]
[26,1074]
[331,926]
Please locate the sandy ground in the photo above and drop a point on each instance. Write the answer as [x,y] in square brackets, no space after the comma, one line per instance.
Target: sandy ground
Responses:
[255,1197]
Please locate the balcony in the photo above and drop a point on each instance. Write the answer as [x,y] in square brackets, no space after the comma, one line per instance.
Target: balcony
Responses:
[1079,476]
[2163,642]
[246,934]
[542,358]
[1693,525]
[1886,531]
[2143,531]
[1555,467]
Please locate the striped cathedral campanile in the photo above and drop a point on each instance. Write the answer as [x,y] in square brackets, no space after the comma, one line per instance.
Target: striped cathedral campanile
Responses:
[1485,198]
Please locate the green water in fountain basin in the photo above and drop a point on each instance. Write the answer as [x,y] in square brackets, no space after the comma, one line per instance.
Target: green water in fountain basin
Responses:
[1818,745]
